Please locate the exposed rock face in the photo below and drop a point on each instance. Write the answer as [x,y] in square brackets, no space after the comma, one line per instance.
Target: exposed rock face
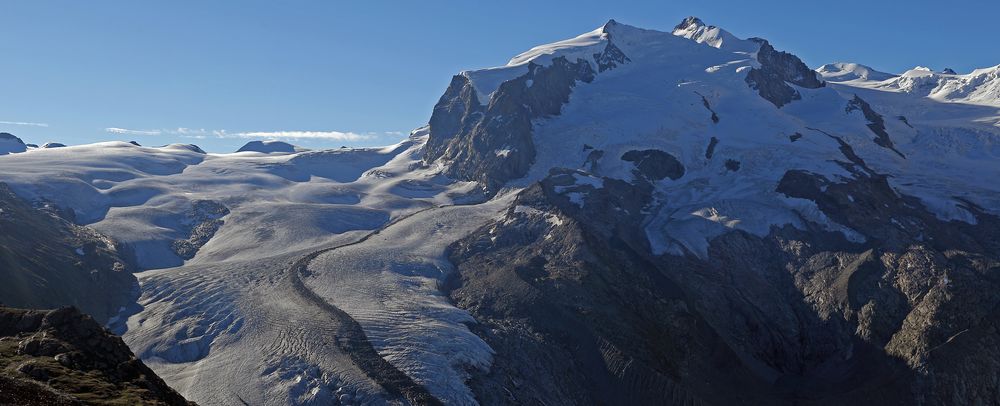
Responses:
[875,123]
[493,144]
[710,151]
[708,106]
[925,291]
[575,314]
[654,164]
[689,22]
[777,69]
[612,56]
[455,114]
[46,262]
[580,312]
[204,219]
[53,145]
[64,357]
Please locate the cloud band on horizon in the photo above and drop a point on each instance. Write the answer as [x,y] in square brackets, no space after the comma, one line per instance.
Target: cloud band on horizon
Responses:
[271,135]
[24,123]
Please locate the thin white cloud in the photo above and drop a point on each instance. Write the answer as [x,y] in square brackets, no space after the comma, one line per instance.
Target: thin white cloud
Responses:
[24,123]
[296,135]
[201,133]
[126,131]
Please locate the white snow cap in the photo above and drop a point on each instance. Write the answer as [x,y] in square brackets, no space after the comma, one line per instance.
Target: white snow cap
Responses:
[845,71]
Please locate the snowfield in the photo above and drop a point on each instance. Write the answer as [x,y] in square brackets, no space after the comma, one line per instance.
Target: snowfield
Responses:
[238,322]
[227,326]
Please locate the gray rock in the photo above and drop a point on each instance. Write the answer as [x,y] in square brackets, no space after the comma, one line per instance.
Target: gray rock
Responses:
[875,123]
[712,143]
[204,219]
[611,57]
[654,164]
[43,266]
[777,69]
[493,144]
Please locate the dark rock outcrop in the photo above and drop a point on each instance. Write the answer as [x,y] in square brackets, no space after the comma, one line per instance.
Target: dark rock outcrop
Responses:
[581,312]
[708,106]
[611,57]
[493,144]
[203,220]
[688,22]
[925,289]
[575,314]
[654,165]
[777,70]
[46,261]
[53,145]
[63,357]
[875,123]
[710,151]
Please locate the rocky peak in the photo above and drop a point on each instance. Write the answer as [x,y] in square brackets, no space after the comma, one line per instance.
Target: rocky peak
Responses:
[609,26]
[777,70]
[689,23]
[493,144]
[696,30]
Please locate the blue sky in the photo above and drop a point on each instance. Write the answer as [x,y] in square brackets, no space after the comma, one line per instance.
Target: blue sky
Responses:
[366,72]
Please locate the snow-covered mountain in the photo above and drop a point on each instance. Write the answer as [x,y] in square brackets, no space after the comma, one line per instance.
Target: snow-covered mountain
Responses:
[10,144]
[843,72]
[981,86]
[626,216]
[269,147]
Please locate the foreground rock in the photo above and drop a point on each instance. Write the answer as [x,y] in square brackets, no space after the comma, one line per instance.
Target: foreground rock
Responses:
[63,357]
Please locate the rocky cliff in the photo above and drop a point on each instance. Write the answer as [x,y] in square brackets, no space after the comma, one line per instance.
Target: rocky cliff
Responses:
[46,261]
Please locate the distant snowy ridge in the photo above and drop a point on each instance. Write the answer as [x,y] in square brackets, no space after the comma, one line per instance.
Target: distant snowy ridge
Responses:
[981,86]
[843,71]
